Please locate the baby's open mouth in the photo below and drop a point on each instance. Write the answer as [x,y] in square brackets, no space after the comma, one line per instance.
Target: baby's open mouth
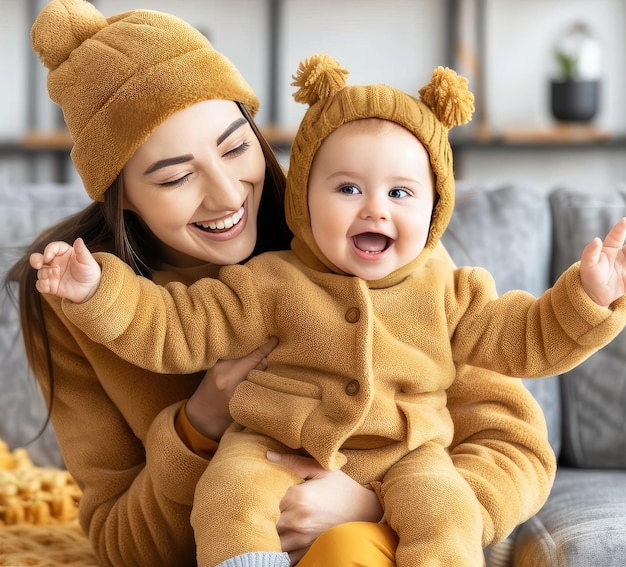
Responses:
[222,224]
[372,242]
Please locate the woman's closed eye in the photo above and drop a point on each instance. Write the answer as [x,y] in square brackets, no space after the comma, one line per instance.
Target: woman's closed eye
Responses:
[176,182]
[240,149]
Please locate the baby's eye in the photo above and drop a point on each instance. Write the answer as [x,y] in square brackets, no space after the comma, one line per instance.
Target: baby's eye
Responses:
[349,189]
[399,193]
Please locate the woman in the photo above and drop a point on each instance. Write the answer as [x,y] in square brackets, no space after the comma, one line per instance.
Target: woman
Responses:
[136,442]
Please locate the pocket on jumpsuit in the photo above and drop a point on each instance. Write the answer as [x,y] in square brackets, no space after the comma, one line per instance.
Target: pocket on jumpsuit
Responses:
[275,405]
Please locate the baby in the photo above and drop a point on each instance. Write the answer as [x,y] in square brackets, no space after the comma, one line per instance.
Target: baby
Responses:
[371,321]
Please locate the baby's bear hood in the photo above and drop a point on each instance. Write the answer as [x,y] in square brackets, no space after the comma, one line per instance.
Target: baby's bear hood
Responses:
[444,102]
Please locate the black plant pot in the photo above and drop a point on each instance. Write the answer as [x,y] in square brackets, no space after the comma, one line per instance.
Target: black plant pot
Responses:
[574,101]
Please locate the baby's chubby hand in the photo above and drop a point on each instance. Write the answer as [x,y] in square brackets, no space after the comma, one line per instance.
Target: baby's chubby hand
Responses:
[603,266]
[67,271]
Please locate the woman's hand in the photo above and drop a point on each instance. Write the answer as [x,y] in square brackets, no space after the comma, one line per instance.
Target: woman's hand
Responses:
[207,408]
[325,500]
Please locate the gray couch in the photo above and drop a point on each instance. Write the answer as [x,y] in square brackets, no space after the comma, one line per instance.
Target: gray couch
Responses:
[25,210]
[524,238]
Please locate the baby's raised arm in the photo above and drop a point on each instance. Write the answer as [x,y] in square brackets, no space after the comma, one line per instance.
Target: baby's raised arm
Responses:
[603,266]
[67,271]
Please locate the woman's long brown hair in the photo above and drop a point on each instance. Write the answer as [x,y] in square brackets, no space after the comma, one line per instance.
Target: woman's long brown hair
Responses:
[106,226]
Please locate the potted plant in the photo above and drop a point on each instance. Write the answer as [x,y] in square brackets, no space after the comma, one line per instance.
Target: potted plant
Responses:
[575,90]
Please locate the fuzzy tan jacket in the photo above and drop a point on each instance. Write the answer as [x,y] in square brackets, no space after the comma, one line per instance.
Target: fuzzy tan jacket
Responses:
[500,446]
[352,360]
[115,427]
[357,366]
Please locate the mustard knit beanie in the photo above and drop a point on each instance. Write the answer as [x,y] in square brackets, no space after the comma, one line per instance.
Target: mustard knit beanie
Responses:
[116,79]
[321,80]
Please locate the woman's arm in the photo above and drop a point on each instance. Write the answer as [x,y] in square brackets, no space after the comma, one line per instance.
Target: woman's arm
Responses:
[207,408]
[115,427]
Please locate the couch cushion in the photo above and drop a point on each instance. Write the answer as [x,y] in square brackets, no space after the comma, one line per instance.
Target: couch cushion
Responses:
[26,210]
[582,524]
[507,229]
[594,393]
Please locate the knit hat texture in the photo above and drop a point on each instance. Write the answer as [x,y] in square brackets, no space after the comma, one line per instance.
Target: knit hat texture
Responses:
[117,79]
[444,102]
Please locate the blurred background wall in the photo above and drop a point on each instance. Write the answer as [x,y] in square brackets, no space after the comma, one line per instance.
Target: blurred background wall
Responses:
[505,47]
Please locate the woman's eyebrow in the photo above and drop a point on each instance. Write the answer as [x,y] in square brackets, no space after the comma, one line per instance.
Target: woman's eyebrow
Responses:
[188,157]
[236,124]
[168,161]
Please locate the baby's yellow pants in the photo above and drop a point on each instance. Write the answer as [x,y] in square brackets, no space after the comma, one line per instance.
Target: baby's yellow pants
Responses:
[354,544]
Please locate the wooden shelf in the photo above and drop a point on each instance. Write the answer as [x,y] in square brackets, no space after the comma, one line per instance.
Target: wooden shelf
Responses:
[558,136]
[278,137]
[52,140]
[58,144]
[38,142]
[61,141]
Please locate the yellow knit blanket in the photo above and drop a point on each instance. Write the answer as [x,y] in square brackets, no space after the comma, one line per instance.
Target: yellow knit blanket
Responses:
[34,495]
[23,545]
[38,515]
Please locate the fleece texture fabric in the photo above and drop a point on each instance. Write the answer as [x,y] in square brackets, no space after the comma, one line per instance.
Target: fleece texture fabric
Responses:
[360,375]
[144,476]
[355,382]
[114,420]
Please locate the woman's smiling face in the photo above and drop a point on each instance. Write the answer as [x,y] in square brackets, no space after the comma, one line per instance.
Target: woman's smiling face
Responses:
[197,183]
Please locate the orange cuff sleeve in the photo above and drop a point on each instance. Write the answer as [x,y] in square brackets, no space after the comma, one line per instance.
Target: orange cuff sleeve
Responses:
[189,435]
